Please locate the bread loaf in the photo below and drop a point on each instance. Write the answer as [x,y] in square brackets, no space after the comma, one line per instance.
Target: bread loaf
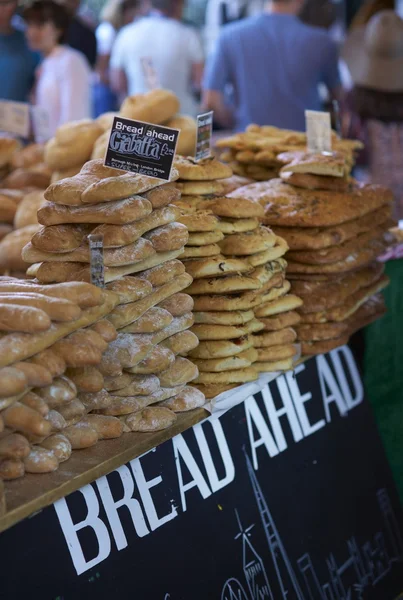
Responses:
[151,419]
[107,427]
[59,445]
[14,446]
[12,382]
[95,401]
[27,209]
[61,391]
[57,309]
[11,468]
[105,329]
[60,238]
[51,361]
[24,419]
[83,294]
[36,375]
[11,246]
[86,379]
[164,273]
[36,403]
[130,289]
[154,319]
[81,435]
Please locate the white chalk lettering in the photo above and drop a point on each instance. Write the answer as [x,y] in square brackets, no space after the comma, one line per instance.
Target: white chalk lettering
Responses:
[215,483]
[351,400]
[181,451]
[328,384]
[255,417]
[112,506]
[299,402]
[144,487]
[93,521]
[276,413]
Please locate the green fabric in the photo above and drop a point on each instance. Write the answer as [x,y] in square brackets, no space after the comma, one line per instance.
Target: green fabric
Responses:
[383,371]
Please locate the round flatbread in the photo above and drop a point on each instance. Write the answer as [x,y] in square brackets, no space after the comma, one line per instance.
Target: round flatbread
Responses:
[200,251]
[218,266]
[251,242]
[200,187]
[203,170]
[230,363]
[221,348]
[204,238]
[239,317]
[232,226]
[237,376]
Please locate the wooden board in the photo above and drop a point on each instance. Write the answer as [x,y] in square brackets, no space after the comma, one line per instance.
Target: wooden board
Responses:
[31,493]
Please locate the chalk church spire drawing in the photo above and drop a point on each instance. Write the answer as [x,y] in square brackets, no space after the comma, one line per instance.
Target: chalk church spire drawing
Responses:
[253,567]
[287,580]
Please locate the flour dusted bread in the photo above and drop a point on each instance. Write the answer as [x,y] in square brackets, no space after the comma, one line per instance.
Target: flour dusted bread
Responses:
[117,187]
[216,266]
[187,136]
[115,213]
[178,304]
[86,379]
[151,419]
[238,207]
[168,237]
[72,144]
[157,106]
[164,273]
[331,164]
[130,289]
[60,238]
[153,320]
[203,221]
[229,363]
[82,294]
[12,382]
[221,349]
[14,317]
[187,399]
[317,182]
[163,194]
[59,445]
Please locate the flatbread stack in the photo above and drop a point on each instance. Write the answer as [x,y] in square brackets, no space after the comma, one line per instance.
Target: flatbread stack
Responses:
[52,338]
[335,229]
[237,265]
[141,242]
[255,153]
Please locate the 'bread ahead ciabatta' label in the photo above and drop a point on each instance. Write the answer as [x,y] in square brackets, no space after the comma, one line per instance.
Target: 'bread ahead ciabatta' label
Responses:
[141,148]
[318,131]
[204,132]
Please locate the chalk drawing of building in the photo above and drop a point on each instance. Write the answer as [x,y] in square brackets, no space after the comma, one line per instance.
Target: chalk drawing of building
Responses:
[253,567]
[233,590]
[287,580]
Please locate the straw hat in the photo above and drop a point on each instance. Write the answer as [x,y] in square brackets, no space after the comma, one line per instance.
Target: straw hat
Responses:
[374,53]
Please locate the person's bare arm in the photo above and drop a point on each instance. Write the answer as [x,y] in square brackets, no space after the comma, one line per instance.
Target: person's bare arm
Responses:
[197,75]
[213,100]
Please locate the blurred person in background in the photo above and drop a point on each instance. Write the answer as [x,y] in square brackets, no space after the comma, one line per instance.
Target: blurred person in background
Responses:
[222,12]
[80,35]
[174,49]
[115,14]
[374,56]
[63,79]
[17,61]
[274,63]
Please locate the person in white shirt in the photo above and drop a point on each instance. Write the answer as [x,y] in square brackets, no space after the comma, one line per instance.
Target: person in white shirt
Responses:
[63,79]
[174,49]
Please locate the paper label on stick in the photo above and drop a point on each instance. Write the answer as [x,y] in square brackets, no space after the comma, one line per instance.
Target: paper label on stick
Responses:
[318,131]
[149,72]
[96,243]
[141,148]
[204,133]
[14,118]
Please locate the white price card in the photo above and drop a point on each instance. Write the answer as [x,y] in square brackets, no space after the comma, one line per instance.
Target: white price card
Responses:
[204,133]
[318,131]
[14,118]
[96,243]
[149,72]
[40,124]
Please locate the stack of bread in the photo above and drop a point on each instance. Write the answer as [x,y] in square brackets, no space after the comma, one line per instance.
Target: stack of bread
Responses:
[237,267]
[26,179]
[335,230]
[141,236]
[254,153]
[51,338]
[159,107]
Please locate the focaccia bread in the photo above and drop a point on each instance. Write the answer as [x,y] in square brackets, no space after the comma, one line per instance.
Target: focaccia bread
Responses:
[288,206]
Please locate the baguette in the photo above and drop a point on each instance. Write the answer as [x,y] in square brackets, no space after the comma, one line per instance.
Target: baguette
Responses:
[152,418]
[122,235]
[86,379]
[61,391]
[36,375]
[129,349]
[127,255]
[158,360]
[105,329]
[164,273]
[83,294]
[81,435]
[59,445]
[56,420]
[14,446]
[57,309]
[95,401]
[124,315]
[24,319]
[12,382]
[26,420]
[140,385]
[11,468]
[153,320]
[130,289]
[107,427]
[115,213]
[19,346]
[117,383]
[50,361]
[55,272]
[72,410]
[40,460]
[36,403]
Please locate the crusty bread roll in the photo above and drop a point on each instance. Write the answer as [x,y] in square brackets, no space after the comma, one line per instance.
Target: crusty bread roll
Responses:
[188,133]
[107,427]
[81,435]
[86,379]
[14,445]
[24,178]
[72,144]
[28,319]
[157,106]
[59,445]
[27,209]
[11,248]
[130,289]
[96,400]
[161,274]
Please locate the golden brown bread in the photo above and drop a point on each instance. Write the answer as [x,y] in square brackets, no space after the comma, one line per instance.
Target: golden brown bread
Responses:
[164,273]
[12,382]
[156,106]
[178,304]
[59,445]
[168,237]
[11,248]
[80,293]
[162,195]
[238,207]
[57,309]
[86,379]
[27,178]
[130,289]
[60,238]
[72,144]
[27,209]
[154,319]
[152,418]
[187,399]
[203,170]
[288,206]
[309,181]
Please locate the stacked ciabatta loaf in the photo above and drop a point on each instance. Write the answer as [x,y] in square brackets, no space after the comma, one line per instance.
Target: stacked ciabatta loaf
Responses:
[50,335]
[142,239]
[239,283]
[254,153]
[335,230]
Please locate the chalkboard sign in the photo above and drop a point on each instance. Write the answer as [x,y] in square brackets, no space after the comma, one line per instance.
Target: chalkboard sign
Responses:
[286,496]
[141,148]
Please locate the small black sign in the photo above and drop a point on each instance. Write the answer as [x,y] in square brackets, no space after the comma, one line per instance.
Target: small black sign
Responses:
[141,148]
[204,132]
